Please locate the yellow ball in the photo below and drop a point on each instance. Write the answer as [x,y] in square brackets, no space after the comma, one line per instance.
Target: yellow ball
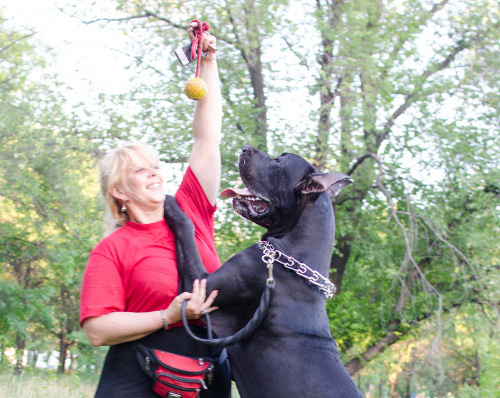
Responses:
[196,88]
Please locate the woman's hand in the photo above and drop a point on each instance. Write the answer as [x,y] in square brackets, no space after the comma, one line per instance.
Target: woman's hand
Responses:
[197,306]
[208,44]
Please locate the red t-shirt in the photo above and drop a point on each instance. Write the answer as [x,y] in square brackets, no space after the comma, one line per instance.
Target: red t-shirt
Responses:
[134,268]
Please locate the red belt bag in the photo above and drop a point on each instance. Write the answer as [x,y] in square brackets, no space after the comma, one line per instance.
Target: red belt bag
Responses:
[173,375]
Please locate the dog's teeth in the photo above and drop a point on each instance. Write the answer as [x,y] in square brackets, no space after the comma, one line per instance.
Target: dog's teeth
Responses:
[238,196]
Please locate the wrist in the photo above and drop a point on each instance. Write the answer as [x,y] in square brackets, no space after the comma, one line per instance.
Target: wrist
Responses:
[208,60]
[163,317]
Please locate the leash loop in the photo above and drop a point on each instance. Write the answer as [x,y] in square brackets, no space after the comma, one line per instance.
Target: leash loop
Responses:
[249,328]
[197,41]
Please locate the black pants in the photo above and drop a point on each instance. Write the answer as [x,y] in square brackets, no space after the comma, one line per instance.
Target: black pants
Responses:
[122,377]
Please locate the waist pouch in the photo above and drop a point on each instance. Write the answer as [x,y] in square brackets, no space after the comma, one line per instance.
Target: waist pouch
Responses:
[173,375]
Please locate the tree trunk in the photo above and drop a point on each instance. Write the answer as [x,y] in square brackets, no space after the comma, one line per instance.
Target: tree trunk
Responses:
[35,358]
[326,103]
[72,363]
[339,261]
[252,54]
[325,83]
[356,364]
[21,345]
[63,349]
[257,79]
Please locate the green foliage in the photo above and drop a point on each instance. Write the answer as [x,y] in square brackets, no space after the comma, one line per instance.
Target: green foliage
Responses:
[403,95]
[469,355]
[46,169]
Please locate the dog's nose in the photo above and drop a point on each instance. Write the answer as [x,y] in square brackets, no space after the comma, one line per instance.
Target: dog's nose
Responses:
[247,148]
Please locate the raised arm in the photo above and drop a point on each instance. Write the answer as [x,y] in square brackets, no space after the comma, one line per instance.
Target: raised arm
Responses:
[205,159]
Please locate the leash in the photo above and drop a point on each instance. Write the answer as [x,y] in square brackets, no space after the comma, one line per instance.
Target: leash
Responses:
[196,88]
[247,330]
[269,257]
[198,39]
[250,327]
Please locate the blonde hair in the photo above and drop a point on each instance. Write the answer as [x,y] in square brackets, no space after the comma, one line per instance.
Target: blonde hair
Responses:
[113,173]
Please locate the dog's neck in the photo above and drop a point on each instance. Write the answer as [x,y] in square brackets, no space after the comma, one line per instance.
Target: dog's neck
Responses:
[310,239]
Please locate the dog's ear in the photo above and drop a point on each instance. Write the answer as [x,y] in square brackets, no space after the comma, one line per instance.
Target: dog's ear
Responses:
[321,182]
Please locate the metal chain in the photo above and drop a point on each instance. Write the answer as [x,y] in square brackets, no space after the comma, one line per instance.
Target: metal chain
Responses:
[314,277]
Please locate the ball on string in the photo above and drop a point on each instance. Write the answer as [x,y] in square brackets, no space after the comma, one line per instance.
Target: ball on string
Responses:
[195,88]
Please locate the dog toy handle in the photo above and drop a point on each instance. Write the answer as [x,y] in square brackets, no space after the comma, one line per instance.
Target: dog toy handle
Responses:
[197,41]
[249,328]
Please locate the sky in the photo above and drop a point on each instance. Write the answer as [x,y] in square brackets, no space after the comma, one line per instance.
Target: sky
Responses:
[87,58]
[85,55]
[92,60]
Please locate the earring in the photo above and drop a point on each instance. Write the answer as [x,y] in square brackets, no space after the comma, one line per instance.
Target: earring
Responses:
[124,208]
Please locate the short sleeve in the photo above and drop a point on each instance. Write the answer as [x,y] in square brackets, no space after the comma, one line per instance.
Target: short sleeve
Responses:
[102,288]
[193,200]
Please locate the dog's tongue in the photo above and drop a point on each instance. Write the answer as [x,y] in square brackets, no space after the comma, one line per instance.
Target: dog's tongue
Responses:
[232,192]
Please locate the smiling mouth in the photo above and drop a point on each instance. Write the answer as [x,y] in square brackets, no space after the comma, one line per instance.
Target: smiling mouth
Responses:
[156,185]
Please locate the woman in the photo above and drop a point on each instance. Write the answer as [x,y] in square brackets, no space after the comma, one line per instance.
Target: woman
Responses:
[129,290]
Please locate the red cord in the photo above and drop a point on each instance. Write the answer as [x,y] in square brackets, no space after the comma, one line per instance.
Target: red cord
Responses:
[198,39]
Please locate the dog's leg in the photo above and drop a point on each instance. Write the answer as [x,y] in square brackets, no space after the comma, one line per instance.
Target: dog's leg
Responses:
[189,262]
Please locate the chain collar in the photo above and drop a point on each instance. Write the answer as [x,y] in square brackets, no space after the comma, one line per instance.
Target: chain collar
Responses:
[271,255]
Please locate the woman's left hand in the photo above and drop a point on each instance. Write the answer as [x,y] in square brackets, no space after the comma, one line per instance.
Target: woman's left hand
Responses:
[198,304]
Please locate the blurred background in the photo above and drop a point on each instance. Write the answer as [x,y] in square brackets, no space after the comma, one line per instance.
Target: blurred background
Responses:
[402,95]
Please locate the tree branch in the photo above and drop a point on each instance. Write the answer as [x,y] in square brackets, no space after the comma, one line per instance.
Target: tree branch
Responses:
[360,160]
[58,219]
[392,336]
[146,14]
[15,41]
[404,37]
[164,19]
[410,99]
[447,243]
[302,60]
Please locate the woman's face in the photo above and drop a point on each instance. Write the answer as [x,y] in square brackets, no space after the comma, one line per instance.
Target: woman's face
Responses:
[145,184]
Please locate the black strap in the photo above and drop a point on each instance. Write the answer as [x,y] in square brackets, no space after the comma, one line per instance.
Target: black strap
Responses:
[254,323]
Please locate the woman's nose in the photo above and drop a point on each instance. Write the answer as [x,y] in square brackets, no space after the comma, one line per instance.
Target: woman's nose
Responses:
[153,171]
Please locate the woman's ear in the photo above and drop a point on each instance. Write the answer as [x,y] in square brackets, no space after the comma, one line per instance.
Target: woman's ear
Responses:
[117,193]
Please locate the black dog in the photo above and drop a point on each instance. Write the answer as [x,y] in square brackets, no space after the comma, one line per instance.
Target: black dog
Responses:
[292,353]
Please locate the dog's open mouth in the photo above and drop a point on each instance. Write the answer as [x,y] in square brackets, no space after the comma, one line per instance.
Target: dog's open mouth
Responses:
[247,204]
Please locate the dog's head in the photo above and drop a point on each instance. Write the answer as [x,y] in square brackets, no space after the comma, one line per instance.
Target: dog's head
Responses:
[278,187]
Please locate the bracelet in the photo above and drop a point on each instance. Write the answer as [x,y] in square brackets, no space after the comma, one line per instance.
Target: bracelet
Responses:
[165,324]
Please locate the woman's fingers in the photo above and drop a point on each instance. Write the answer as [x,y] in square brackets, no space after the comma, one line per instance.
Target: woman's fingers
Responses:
[209,42]
[198,303]
[210,299]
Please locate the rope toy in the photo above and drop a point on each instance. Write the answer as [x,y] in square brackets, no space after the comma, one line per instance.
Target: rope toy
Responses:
[196,88]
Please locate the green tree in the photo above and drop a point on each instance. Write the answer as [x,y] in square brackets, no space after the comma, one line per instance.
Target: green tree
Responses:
[48,210]
[403,97]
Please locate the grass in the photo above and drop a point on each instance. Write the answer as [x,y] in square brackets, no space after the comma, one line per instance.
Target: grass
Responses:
[38,384]
[43,384]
